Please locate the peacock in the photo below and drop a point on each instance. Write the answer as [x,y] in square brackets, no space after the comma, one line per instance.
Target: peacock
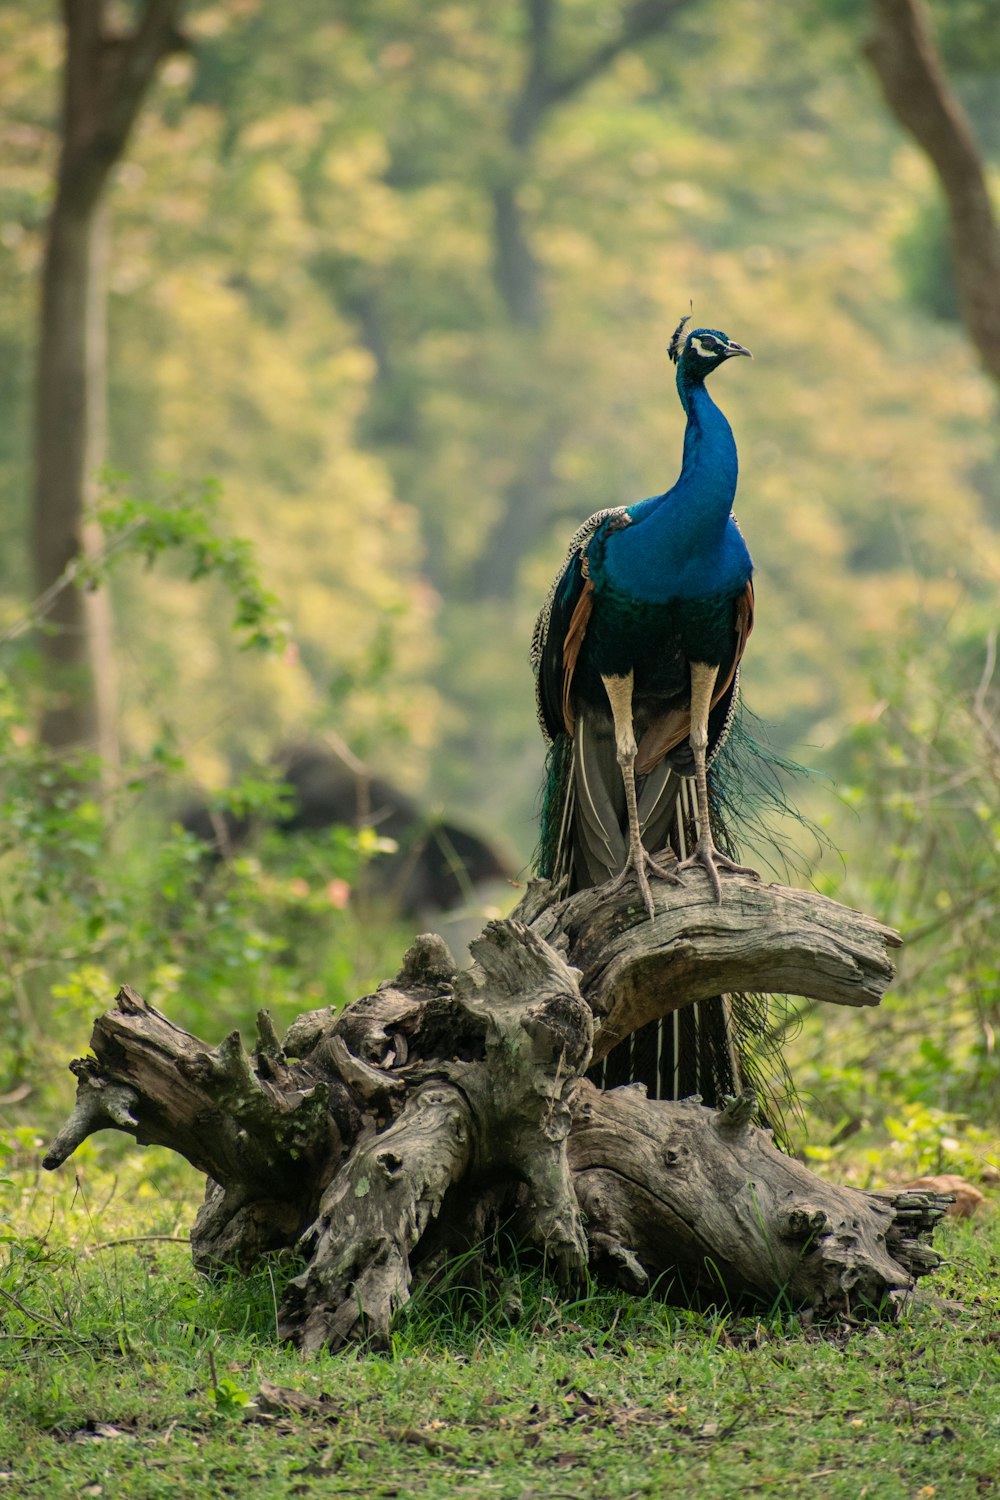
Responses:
[636,655]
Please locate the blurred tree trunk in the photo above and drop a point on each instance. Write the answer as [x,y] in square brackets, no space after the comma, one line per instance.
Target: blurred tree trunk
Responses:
[546,84]
[915,85]
[106,77]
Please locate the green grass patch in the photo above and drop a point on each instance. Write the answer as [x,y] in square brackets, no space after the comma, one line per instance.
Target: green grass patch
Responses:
[124,1373]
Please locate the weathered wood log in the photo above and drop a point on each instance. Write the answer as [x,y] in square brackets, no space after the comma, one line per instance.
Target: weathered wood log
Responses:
[382,1139]
[765,938]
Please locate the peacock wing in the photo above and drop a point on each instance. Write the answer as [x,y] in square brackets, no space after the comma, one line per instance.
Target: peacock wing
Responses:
[561,627]
[727,692]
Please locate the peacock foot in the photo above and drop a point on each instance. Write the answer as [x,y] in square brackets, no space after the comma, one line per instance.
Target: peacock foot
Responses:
[712,861]
[637,863]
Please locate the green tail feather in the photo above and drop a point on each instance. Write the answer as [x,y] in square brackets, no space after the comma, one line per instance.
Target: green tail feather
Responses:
[748,796]
[749,799]
[558,764]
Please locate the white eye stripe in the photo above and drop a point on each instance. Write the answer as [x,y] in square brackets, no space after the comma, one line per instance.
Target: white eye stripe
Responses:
[706,353]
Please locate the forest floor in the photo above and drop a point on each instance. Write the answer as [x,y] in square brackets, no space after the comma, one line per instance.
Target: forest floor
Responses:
[122,1373]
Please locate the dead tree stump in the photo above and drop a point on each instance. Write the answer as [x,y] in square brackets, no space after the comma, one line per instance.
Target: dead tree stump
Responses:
[382,1139]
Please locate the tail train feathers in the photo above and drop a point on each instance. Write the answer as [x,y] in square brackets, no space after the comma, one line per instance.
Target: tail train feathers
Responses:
[715,1047]
[688,1052]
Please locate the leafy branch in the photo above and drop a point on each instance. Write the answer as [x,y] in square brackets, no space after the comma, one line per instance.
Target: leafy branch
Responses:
[187,523]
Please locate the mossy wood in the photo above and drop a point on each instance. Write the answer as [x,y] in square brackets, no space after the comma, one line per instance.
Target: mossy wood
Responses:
[385,1139]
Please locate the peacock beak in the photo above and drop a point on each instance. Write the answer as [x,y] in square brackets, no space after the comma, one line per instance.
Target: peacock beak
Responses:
[732,349]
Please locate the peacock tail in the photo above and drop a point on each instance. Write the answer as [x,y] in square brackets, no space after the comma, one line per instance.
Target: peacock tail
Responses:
[731,1043]
[749,790]
[555,798]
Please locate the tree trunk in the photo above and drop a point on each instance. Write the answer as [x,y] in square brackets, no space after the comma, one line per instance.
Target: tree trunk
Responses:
[523,517]
[916,89]
[69,449]
[411,1127]
[106,78]
[547,84]
[516,272]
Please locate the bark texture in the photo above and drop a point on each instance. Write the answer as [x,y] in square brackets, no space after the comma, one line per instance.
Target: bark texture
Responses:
[408,1128]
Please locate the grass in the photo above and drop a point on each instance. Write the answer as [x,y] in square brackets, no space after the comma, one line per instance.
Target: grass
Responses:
[124,1374]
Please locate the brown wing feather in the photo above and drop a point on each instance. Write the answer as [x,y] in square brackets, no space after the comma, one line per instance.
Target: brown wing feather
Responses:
[744,625]
[662,736]
[666,733]
[571,649]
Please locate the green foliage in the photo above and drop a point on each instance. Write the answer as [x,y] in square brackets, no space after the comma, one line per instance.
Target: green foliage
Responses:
[967,33]
[230,1399]
[187,521]
[923,775]
[97,888]
[923,254]
[917,1141]
[91,896]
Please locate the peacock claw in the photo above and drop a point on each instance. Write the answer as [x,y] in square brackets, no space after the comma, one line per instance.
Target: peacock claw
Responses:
[712,861]
[637,863]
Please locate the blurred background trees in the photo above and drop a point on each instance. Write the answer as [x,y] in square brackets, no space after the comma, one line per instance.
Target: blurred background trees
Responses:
[400,278]
[106,74]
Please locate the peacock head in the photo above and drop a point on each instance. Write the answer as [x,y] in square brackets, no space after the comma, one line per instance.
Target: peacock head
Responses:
[701,351]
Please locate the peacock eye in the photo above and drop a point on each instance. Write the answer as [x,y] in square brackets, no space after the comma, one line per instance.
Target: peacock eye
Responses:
[707,348]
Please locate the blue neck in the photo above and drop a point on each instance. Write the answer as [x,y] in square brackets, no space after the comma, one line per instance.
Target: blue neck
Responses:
[710,466]
[681,543]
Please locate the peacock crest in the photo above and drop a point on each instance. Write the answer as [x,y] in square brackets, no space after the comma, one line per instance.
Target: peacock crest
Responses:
[677,342]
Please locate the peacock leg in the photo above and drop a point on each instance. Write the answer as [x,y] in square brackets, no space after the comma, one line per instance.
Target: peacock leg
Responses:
[619,691]
[705,853]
